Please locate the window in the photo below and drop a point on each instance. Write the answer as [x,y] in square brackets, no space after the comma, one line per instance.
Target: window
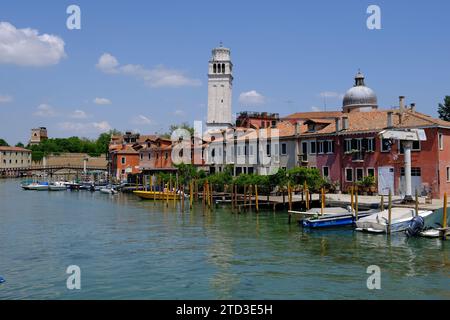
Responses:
[312,149]
[141,155]
[329,147]
[448,174]
[124,160]
[250,170]
[415,147]
[371,172]
[349,175]
[166,155]
[359,174]
[277,149]
[251,150]
[325,172]
[149,156]
[370,144]
[284,149]
[268,151]
[348,145]
[441,141]
[304,151]
[238,150]
[415,172]
[320,147]
[386,145]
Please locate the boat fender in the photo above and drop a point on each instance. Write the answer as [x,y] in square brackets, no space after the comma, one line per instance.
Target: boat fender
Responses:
[416,225]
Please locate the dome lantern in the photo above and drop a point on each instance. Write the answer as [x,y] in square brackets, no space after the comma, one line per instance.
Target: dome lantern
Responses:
[359,97]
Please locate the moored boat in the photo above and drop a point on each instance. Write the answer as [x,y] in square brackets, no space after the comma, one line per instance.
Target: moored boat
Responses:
[157,195]
[400,220]
[38,186]
[57,186]
[108,190]
[338,219]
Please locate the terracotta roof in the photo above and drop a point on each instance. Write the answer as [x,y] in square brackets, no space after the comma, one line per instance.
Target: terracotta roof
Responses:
[124,150]
[14,149]
[376,120]
[314,115]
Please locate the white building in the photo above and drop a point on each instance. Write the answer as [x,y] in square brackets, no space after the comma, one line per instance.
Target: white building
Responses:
[220,85]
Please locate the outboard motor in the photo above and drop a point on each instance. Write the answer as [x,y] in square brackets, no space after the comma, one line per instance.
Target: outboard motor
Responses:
[415,226]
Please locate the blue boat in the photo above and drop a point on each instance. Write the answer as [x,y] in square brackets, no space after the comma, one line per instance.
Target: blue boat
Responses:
[337,220]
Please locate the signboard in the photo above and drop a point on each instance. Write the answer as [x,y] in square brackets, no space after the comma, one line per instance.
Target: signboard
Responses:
[406,135]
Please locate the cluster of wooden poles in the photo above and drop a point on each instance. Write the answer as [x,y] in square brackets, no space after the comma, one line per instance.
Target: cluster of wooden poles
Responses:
[244,202]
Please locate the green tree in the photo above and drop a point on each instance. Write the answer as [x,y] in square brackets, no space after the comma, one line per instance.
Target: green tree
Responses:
[444,109]
[3,143]
[174,127]
[20,145]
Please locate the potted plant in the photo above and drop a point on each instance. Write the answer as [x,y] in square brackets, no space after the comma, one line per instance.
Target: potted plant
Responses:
[368,184]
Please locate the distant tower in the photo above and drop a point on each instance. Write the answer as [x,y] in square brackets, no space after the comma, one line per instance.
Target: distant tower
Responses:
[220,84]
[38,135]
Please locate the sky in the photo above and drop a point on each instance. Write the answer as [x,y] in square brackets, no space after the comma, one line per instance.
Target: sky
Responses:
[142,65]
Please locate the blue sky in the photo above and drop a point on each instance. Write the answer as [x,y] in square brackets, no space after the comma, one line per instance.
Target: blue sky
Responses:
[289,52]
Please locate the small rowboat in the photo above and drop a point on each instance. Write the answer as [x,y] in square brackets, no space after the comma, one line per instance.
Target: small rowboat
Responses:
[157,195]
[335,220]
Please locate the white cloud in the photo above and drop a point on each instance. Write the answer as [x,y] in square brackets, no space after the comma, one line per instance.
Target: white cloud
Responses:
[79,114]
[179,113]
[26,47]
[102,101]
[5,98]
[251,99]
[85,128]
[316,109]
[141,120]
[331,94]
[107,63]
[45,110]
[157,77]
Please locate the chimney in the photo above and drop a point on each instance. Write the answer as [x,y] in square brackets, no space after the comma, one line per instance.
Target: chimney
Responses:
[298,128]
[402,103]
[389,119]
[345,123]
[338,124]
[413,107]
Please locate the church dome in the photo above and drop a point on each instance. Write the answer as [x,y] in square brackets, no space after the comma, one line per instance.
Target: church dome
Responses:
[359,96]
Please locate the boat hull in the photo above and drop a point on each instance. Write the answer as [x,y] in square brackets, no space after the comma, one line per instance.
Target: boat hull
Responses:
[378,223]
[157,195]
[332,221]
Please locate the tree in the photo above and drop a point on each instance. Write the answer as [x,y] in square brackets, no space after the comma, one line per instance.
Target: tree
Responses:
[174,127]
[20,145]
[444,109]
[3,143]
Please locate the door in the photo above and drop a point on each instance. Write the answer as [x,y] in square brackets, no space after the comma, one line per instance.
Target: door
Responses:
[385,180]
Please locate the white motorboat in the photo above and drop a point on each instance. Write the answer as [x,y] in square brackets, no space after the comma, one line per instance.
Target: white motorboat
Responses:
[57,186]
[108,190]
[379,222]
[38,186]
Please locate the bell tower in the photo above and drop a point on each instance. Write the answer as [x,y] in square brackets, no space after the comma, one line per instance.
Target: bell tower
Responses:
[220,84]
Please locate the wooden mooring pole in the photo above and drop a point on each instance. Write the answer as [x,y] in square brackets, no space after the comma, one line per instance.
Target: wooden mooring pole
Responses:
[389,213]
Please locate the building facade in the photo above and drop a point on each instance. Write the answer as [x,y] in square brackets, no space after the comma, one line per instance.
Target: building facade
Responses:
[14,158]
[38,135]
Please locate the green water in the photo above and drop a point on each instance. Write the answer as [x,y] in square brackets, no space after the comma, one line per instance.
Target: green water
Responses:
[132,249]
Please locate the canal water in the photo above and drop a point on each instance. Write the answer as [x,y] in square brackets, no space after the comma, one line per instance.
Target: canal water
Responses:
[131,249]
